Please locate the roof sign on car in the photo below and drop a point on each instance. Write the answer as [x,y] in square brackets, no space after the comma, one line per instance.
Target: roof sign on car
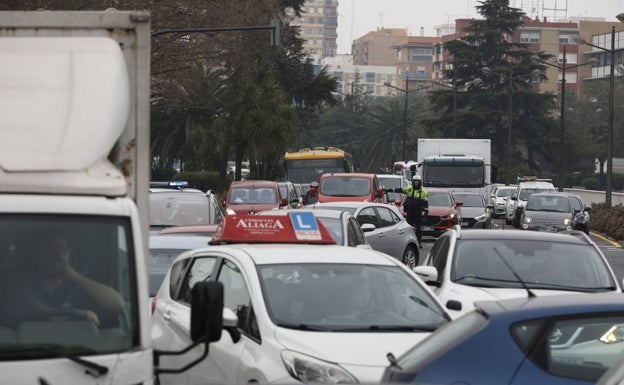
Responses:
[295,228]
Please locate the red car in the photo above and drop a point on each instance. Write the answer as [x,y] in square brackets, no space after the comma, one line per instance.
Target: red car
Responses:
[443,213]
[349,187]
[253,196]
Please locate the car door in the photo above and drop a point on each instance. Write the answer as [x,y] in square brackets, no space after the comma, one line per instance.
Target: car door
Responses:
[227,359]
[396,232]
[171,318]
[355,236]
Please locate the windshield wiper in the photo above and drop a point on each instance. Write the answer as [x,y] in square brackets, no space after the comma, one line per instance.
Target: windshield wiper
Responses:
[300,326]
[383,328]
[56,351]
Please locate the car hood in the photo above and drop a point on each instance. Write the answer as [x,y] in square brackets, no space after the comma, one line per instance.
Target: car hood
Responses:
[468,295]
[361,349]
[251,208]
[546,215]
[440,211]
[471,212]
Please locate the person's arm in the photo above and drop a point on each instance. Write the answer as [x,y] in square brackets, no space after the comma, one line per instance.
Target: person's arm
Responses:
[105,296]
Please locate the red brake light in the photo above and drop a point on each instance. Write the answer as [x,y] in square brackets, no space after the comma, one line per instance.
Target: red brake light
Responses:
[154,299]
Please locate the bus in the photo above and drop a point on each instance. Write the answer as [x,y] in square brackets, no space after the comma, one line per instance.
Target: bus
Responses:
[307,164]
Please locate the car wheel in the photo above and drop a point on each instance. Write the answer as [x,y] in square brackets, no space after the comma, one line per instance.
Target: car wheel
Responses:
[410,256]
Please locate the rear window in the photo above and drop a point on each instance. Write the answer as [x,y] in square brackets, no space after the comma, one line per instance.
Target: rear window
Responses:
[346,186]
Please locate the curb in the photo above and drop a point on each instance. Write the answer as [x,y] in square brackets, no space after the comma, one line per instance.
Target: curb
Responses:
[606,239]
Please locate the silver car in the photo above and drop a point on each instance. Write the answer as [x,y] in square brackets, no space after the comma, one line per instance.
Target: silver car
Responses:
[384,227]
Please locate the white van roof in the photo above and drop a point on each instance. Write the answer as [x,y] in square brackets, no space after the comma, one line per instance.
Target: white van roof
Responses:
[64,103]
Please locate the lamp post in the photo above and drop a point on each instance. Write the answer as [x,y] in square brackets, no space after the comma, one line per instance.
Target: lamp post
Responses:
[406,91]
[563,69]
[608,190]
[510,78]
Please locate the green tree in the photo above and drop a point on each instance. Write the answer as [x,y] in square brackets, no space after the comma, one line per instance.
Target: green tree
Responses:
[482,105]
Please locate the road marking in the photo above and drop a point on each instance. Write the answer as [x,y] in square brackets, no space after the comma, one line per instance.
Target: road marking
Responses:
[612,242]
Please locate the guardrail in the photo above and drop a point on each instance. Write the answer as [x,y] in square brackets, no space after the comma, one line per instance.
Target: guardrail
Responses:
[594,196]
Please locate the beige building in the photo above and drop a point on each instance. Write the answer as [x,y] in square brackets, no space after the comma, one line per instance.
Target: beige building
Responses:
[361,80]
[319,24]
[375,48]
[414,61]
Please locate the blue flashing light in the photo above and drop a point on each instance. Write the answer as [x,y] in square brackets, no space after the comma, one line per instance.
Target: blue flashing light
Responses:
[178,183]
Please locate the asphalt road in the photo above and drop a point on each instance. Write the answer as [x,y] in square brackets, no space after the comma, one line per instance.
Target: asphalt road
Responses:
[612,250]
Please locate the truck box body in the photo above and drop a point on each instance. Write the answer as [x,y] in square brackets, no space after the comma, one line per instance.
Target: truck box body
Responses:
[455,164]
[74,160]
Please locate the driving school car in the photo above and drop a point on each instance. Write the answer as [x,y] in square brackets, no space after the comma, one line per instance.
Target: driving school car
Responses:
[307,310]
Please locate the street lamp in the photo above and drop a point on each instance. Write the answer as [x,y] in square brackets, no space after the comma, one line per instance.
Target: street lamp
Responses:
[563,69]
[487,71]
[612,51]
[406,91]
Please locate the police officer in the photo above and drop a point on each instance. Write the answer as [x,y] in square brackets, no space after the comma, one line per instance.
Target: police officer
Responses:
[311,196]
[416,205]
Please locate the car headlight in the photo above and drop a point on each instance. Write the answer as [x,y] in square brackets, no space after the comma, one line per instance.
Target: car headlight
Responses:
[566,221]
[309,369]
[447,217]
[528,219]
[481,217]
[613,335]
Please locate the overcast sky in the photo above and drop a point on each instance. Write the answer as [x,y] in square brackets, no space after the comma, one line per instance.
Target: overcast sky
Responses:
[358,17]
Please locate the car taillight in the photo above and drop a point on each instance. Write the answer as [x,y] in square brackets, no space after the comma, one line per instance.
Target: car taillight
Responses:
[154,298]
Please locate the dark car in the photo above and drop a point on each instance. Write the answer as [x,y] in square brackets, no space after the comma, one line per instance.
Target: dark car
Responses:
[555,340]
[548,212]
[443,212]
[581,213]
[475,211]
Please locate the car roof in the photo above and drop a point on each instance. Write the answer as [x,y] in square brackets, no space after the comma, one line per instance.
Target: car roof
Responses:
[161,190]
[549,194]
[273,253]
[323,213]
[351,174]
[437,190]
[521,235]
[545,306]
[254,183]
[196,229]
[534,183]
[177,241]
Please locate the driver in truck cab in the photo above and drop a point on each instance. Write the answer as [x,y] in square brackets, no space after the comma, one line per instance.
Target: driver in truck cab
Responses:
[50,288]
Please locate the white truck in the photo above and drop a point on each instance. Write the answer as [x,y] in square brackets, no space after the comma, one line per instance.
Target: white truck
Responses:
[455,164]
[74,165]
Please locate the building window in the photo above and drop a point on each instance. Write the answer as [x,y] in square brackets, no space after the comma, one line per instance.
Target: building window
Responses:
[370,77]
[530,37]
[571,58]
[567,38]
[420,54]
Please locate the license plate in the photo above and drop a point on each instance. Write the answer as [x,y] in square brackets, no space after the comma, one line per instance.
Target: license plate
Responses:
[426,228]
[464,223]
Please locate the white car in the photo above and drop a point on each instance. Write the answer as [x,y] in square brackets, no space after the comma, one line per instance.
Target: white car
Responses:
[163,250]
[391,233]
[481,265]
[499,197]
[519,197]
[305,312]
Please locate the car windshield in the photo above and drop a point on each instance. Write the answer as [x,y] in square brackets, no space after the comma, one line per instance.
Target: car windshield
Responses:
[346,186]
[504,192]
[439,199]
[540,264]
[525,193]
[253,195]
[179,208]
[549,204]
[44,312]
[470,200]
[348,297]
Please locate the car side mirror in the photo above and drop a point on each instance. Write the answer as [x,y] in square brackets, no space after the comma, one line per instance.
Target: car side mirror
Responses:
[459,203]
[429,274]
[587,208]
[284,202]
[206,311]
[367,227]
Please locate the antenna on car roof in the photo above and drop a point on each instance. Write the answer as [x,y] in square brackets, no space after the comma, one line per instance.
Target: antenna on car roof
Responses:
[524,285]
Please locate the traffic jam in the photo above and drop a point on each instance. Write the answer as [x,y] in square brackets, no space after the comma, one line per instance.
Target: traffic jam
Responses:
[314,292]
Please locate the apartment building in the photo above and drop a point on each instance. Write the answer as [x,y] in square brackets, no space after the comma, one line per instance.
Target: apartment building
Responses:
[354,79]
[319,24]
[375,48]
